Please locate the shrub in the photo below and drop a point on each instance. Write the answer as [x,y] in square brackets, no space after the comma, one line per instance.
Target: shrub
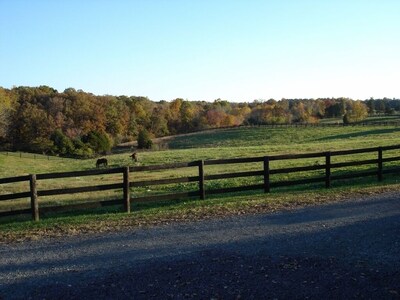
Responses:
[62,144]
[144,139]
[82,150]
[98,141]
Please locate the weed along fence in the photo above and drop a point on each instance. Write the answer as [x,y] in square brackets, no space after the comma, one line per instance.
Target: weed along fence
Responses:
[267,172]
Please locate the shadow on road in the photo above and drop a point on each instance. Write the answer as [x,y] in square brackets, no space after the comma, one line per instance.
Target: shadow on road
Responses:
[336,251]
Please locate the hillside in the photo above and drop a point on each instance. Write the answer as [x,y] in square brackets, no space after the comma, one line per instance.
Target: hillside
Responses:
[218,144]
[75,123]
[223,143]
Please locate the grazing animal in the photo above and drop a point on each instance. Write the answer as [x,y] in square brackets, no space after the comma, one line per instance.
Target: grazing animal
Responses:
[134,156]
[101,162]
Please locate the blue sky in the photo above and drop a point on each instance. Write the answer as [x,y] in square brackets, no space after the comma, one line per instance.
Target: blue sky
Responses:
[204,49]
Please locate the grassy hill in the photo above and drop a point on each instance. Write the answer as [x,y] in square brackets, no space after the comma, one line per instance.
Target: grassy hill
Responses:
[292,138]
[226,143]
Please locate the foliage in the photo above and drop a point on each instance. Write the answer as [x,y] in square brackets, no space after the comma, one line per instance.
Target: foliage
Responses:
[81,149]
[62,144]
[358,112]
[239,142]
[41,119]
[98,141]
[6,106]
[144,139]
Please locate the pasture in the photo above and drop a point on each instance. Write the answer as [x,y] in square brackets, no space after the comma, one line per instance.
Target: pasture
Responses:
[218,144]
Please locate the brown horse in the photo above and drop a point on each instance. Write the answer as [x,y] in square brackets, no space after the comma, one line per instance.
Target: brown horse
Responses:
[101,162]
[134,156]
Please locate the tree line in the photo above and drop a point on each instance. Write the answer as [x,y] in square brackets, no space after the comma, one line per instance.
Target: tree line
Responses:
[81,124]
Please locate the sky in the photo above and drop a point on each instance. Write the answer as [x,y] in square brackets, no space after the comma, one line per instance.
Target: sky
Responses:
[236,50]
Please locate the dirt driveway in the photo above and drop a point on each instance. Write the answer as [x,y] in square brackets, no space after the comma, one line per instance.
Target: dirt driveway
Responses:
[334,251]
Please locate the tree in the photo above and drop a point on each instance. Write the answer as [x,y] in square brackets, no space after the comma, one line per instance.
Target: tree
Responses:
[300,112]
[380,106]
[100,142]
[116,116]
[371,106]
[159,124]
[215,117]
[241,113]
[6,107]
[82,149]
[357,112]
[174,121]
[187,115]
[31,127]
[144,139]
[62,144]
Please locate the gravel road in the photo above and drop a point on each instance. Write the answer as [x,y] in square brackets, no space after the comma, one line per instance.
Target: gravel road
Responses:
[334,251]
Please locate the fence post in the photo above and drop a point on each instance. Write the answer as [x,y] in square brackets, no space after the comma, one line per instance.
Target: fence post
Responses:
[328,170]
[127,200]
[380,164]
[266,175]
[34,197]
[201,180]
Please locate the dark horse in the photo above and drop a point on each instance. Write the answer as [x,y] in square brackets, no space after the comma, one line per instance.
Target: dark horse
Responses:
[134,156]
[101,162]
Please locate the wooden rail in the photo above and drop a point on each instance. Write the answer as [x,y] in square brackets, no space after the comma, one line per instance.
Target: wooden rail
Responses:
[265,174]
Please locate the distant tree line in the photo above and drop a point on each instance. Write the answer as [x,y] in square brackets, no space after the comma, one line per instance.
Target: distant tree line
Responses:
[80,124]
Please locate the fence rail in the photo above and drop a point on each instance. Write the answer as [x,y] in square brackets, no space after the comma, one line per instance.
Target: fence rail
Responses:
[31,155]
[265,173]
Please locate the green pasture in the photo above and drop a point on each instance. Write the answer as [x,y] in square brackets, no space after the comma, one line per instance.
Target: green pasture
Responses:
[218,144]
[376,119]
[292,139]
[225,143]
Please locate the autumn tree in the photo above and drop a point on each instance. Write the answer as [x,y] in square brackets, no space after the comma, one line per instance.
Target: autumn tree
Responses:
[144,139]
[116,117]
[86,113]
[215,117]
[357,112]
[78,123]
[61,143]
[241,113]
[7,104]
[158,121]
[32,128]
[174,121]
[187,115]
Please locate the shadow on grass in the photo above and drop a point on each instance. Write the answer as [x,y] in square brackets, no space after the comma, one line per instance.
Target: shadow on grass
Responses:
[359,134]
[380,119]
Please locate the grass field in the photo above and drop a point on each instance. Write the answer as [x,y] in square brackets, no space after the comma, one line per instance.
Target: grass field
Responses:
[284,140]
[228,143]
[369,120]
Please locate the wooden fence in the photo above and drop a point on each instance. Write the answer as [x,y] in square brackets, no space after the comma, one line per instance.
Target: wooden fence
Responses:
[32,155]
[129,184]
